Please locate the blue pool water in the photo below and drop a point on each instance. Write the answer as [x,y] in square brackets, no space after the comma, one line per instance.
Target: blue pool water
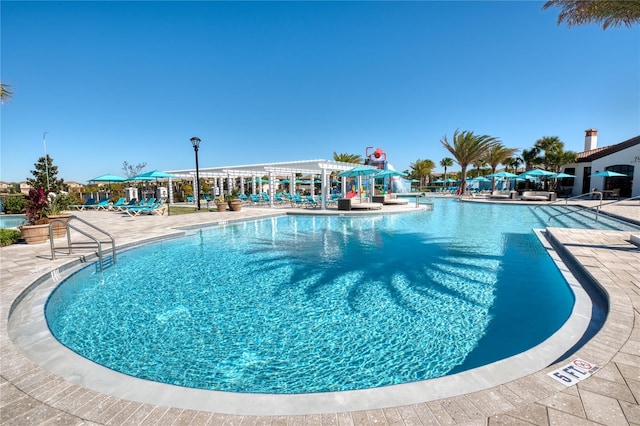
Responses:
[11,221]
[314,304]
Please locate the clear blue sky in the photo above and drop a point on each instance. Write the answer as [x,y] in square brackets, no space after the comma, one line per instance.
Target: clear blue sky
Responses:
[283,81]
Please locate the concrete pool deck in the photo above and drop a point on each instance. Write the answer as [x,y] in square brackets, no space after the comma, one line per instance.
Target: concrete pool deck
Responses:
[31,395]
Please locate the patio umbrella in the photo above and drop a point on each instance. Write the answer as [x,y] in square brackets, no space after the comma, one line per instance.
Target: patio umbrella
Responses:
[358,172]
[608,173]
[560,176]
[536,173]
[389,173]
[108,178]
[154,174]
[503,174]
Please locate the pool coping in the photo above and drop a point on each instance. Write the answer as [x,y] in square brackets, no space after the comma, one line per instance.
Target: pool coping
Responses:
[509,398]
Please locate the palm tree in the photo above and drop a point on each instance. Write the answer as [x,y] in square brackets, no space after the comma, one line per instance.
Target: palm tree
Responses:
[347,158]
[497,154]
[531,158]
[602,12]
[513,163]
[551,146]
[421,169]
[446,162]
[5,92]
[467,148]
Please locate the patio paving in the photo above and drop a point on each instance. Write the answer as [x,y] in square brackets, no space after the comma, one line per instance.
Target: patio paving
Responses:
[31,395]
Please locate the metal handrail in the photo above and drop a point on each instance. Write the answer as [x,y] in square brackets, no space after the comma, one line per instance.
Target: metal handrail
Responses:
[68,225]
[575,197]
[596,208]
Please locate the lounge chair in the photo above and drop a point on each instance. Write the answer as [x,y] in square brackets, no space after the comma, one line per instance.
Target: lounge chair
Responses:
[311,202]
[102,205]
[190,199]
[90,202]
[255,199]
[117,204]
[156,208]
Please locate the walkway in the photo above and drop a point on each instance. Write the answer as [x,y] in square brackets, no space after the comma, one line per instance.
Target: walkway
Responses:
[30,395]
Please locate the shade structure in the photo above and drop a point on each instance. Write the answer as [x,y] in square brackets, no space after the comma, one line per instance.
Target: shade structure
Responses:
[608,173]
[438,181]
[479,179]
[449,180]
[108,178]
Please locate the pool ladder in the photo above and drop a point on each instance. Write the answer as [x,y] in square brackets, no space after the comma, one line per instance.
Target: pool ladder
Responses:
[98,243]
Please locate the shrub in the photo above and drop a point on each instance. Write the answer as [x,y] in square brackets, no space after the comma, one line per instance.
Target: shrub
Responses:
[13,204]
[8,236]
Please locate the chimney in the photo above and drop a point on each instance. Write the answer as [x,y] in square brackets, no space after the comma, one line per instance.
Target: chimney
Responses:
[590,139]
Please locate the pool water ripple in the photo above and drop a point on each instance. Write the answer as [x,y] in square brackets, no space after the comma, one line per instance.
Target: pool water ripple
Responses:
[315,304]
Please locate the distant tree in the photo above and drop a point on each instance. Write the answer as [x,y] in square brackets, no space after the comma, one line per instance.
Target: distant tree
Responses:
[607,13]
[446,162]
[421,170]
[497,154]
[512,164]
[5,92]
[347,158]
[466,148]
[531,158]
[131,170]
[44,176]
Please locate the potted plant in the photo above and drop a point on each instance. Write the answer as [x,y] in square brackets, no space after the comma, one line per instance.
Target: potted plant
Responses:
[36,229]
[221,204]
[235,204]
[54,210]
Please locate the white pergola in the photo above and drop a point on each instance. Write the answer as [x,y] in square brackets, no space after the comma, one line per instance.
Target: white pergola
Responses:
[287,169]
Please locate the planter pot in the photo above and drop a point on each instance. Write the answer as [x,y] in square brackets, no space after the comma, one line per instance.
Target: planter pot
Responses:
[60,230]
[35,234]
[235,205]
[222,207]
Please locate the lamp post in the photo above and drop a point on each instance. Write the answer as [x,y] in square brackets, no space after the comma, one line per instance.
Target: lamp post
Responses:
[46,158]
[195,141]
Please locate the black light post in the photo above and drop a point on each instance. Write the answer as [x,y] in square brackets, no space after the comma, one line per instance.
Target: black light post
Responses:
[195,141]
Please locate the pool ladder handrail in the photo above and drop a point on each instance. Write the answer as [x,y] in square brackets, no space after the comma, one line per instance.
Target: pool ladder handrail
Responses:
[582,207]
[69,246]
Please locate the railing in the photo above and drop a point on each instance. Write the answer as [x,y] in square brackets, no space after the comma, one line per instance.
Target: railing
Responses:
[582,207]
[70,245]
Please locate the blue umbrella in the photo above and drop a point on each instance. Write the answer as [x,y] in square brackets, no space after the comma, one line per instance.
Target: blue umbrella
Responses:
[503,174]
[560,176]
[536,173]
[358,172]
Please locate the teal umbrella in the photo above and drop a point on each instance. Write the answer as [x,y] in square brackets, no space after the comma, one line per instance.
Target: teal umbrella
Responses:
[389,173]
[108,178]
[503,174]
[358,172]
[536,173]
[154,174]
[560,176]
[608,173]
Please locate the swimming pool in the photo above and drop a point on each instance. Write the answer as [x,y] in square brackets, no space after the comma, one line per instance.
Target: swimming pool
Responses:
[351,302]
[11,221]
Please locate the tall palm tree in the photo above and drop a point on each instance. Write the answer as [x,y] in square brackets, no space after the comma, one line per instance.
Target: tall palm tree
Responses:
[497,154]
[347,158]
[608,13]
[467,148]
[446,162]
[421,169]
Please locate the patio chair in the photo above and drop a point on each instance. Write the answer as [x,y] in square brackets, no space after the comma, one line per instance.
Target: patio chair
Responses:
[158,208]
[190,199]
[90,202]
[115,206]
